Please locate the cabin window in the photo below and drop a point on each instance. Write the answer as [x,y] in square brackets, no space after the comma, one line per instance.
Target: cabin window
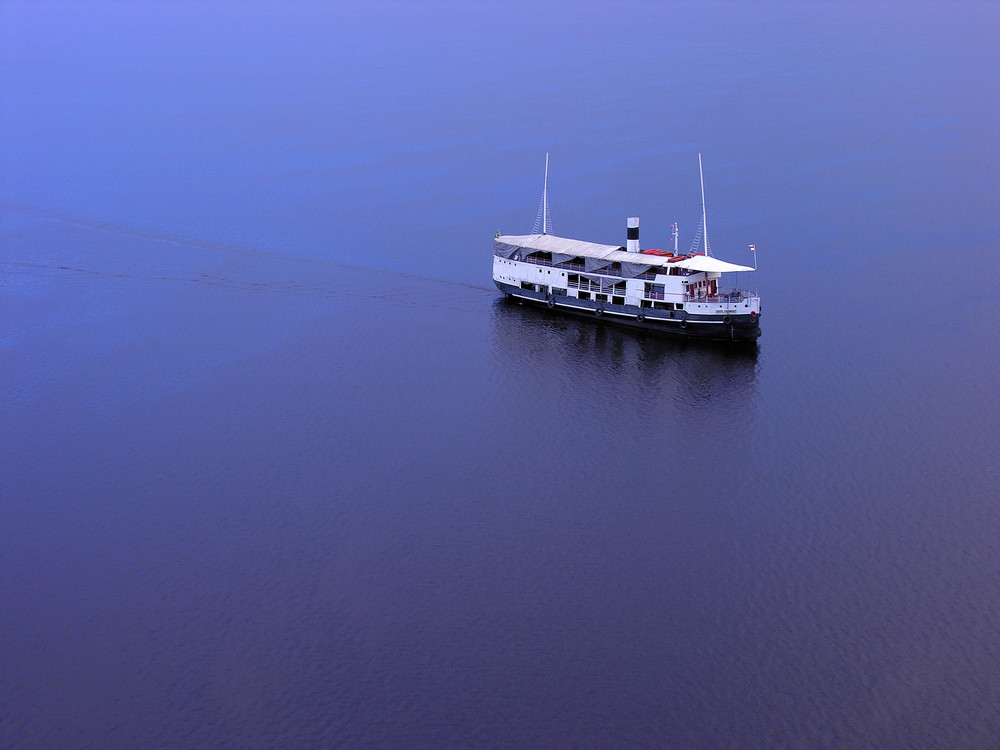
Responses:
[528,286]
[543,289]
[601,297]
[540,257]
[645,303]
[618,300]
[559,292]
[678,306]
[583,295]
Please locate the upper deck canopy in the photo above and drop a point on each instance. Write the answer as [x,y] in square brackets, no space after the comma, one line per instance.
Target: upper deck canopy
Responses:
[563,249]
[710,264]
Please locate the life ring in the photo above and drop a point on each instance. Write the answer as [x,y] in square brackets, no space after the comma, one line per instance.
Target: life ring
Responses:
[684,324]
[754,313]
[599,312]
[640,317]
[727,320]
[551,303]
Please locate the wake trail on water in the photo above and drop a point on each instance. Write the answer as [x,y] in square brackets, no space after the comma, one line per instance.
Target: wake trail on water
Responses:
[331,282]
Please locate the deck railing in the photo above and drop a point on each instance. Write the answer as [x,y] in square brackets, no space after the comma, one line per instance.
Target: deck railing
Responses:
[587,285]
[725,295]
[731,296]
[649,275]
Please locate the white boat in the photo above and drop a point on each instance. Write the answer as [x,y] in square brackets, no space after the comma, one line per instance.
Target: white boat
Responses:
[669,292]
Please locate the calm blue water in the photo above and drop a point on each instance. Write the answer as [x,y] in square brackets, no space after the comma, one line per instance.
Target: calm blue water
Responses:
[279,468]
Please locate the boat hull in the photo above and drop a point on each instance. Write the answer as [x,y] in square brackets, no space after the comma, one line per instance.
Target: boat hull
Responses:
[677,323]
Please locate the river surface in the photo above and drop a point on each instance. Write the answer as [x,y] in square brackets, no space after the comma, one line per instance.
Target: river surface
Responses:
[280,468]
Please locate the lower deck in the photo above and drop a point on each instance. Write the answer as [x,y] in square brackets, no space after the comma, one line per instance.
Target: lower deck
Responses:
[683,322]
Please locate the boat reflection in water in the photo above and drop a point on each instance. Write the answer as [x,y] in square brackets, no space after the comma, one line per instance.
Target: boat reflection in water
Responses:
[627,383]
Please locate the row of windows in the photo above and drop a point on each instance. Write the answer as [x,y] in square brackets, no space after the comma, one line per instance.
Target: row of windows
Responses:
[614,269]
[615,299]
[556,291]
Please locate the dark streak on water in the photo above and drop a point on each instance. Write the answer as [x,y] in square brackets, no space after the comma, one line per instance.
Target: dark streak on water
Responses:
[261,489]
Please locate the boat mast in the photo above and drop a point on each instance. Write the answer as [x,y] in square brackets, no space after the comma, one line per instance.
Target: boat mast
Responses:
[543,221]
[545,197]
[704,215]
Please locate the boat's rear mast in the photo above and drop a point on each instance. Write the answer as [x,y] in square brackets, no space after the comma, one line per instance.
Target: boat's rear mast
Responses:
[704,214]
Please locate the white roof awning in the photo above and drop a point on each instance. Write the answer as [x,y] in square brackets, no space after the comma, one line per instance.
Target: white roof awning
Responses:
[549,243]
[711,265]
